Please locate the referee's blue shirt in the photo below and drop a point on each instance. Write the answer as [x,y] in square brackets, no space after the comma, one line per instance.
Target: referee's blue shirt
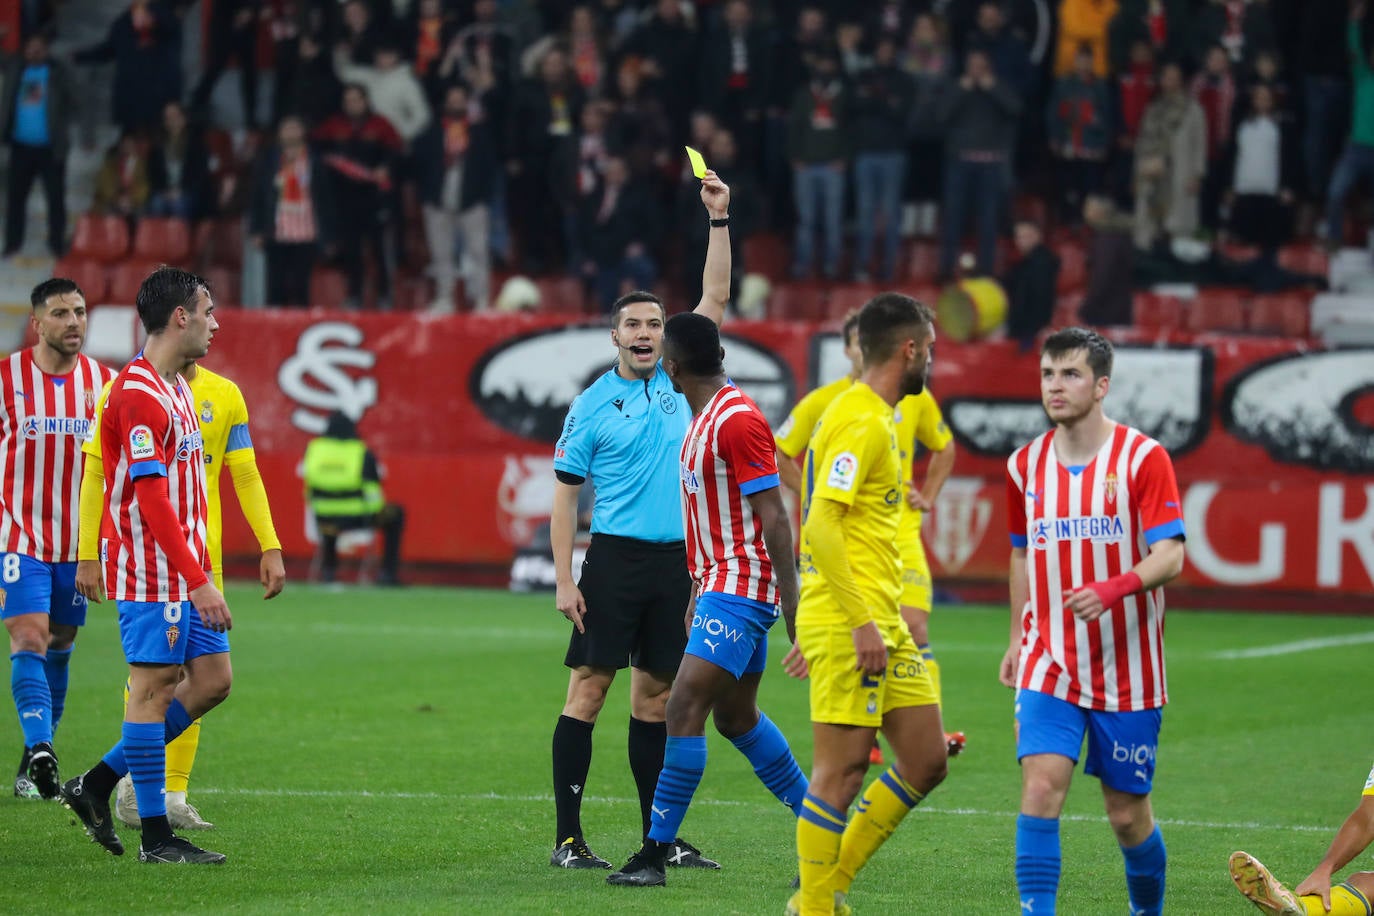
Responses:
[627,437]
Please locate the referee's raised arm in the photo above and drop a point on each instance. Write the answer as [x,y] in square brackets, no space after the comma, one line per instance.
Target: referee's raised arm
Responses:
[715,276]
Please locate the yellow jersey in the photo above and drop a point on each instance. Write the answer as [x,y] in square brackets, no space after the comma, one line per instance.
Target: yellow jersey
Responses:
[918,419]
[854,459]
[224,427]
[795,432]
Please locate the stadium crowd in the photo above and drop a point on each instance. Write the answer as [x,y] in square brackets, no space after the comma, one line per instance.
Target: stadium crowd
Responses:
[546,137]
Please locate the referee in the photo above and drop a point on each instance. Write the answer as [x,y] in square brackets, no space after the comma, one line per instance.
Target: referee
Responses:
[625,432]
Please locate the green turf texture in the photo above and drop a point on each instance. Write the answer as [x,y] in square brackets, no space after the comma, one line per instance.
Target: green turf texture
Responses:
[387,751]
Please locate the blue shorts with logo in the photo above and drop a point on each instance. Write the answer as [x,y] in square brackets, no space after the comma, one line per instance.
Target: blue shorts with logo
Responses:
[165,633]
[33,587]
[731,632]
[1121,745]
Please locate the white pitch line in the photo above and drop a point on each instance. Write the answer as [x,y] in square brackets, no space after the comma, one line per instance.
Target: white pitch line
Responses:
[1290,648]
[717,803]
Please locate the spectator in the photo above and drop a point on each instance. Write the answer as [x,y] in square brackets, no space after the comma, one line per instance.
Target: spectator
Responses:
[487,37]
[818,144]
[1242,27]
[746,211]
[360,149]
[586,48]
[1135,90]
[391,87]
[1265,71]
[361,33]
[1322,58]
[854,58]
[144,43]
[1030,284]
[929,60]
[619,230]
[429,35]
[315,92]
[638,127]
[343,486]
[1008,54]
[1163,25]
[979,116]
[37,103]
[1214,89]
[121,185]
[1263,166]
[455,163]
[543,163]
[883,101]
[292,213]
[178,168]
[667,45]
[1357,161]
[888,19]
[1079,132]
[288,23]
[233,32]
[1083,22]
[1170,160]
[736,69]
[1108,294]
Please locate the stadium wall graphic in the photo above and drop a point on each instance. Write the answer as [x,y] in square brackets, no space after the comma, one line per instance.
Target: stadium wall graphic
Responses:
[1273,440]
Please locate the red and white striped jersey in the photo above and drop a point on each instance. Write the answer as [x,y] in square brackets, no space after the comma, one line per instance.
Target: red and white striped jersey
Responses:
[1088,524]
[726,456]
[43,421]
[149,428]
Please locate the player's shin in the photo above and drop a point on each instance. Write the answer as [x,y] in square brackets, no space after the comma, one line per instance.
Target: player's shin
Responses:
[772,760]
[181,756]
[684,761]
[1037,863]
[820,829]
[145,754]
[1145,870]
[887,800]
[56,667]
[29,685]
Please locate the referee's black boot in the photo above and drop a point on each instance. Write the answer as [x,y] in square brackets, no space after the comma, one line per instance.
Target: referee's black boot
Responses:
[645,868]
[574,853]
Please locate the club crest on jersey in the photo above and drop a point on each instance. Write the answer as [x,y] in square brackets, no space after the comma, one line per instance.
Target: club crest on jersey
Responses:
[141,443]
[173,634]
[690,482]
[1110,488]
[2,599]
[90,399]
[843,470]
[207,412]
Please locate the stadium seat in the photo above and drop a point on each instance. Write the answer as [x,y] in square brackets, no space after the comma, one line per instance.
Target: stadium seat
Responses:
[99,237]
[1157,312]
[1073,267]
[1305,259]
[561,295]
[226,241]
[1281,315]
[411,293]
[328,287]
[113,333]
[1030,207]
[92,276]
[1066,311]
[165,240]
[125,279]
[224,285]
[1216,310]
[766,253]
[797,302]
[924,262]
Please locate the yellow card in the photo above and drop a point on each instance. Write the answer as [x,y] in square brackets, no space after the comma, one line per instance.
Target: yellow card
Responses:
[698,163]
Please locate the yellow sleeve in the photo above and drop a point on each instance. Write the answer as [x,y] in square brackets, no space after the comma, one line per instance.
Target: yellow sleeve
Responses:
[252,496]
[92,444]
[829,554]
[794,434]
[91,506]
[931,430]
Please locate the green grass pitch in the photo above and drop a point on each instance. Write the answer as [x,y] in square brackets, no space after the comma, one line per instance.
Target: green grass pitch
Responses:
[388,752]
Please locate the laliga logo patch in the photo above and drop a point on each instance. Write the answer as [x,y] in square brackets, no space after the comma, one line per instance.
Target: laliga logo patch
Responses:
[842,471]
[141,443]
[173,634]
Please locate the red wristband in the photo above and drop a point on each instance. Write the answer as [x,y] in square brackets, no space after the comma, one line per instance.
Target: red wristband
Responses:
[1117,587]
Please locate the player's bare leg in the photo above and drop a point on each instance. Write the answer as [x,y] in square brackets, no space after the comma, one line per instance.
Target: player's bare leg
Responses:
[917,622]
[839,764]
[572,755]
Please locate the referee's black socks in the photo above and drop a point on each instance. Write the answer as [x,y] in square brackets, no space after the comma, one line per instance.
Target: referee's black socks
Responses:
[647,741]
[572,759]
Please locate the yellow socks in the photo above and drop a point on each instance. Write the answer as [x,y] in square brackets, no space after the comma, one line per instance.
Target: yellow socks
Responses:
[820,828]
[880,809]
[1345,901]
[181,756]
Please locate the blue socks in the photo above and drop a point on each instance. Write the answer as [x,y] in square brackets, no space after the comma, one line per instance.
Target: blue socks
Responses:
[1145,866]
[1037,863]
[684,760]
[29,684]
[177,721]
[146,752]
[55,666]
[767,751]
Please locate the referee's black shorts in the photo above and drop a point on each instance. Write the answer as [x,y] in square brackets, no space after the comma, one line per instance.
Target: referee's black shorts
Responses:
[636,594]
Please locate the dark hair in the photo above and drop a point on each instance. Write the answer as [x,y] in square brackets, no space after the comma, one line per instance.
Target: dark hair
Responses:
[851,324]
[631,298]
[165,290]
[1069,340]
[882,321]
[57,286]
[695,340]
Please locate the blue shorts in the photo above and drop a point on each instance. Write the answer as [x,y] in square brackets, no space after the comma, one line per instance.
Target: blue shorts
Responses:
[1121,745]
[731,632]
[29,586]
[164,633]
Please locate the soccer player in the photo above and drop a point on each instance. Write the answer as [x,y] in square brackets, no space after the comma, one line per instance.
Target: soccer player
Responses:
[1316,895]
[866,672]
[794,434]
[1096,530]
[736,523]
[172,618]
[224,430]
[624,432]
[47,395]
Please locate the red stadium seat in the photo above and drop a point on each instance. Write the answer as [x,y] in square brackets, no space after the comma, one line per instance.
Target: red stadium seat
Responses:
[1066,311]
[165,240]
[924,262]
[411,293]
[224,285]
[1282,315]
[1305,259]
[102,238]
[562,295]
[1073,267]
[1217,310]
[767,254]
[219,242]
[797,302]
[92,276]
[1030,207]
[1156,312]
[125,279]
[328,287]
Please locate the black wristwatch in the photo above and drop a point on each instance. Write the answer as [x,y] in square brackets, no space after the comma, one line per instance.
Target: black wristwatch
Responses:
[718,223]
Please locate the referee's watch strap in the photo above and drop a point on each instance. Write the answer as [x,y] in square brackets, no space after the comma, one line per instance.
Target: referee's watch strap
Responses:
[719,223]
